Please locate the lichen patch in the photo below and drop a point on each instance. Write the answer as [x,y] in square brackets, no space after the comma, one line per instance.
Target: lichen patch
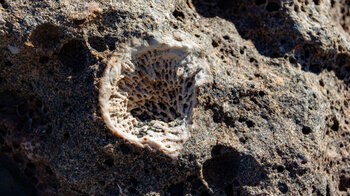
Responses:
[148,92]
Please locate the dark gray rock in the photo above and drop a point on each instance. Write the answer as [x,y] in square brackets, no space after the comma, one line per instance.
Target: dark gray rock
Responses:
[273,121]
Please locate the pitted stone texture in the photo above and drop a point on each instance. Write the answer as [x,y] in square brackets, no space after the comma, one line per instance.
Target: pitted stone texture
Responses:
[280,95]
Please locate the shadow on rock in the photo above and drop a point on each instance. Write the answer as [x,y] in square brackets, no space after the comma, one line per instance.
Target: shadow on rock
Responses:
[274,34]
[264,23]
[12,181]
[230,170]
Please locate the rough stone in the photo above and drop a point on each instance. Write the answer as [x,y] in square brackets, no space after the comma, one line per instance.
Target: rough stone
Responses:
[272,119]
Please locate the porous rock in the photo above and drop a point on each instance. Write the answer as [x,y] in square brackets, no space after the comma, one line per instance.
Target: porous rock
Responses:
[245,97]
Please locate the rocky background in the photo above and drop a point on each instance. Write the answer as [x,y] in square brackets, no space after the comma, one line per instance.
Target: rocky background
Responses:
[274,121]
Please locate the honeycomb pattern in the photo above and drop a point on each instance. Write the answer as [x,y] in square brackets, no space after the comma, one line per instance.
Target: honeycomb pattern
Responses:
[148,92]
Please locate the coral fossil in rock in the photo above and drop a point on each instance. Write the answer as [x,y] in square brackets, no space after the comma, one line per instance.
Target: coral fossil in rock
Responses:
[148,92]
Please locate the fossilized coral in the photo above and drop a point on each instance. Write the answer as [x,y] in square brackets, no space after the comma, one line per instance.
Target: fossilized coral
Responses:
[148,92]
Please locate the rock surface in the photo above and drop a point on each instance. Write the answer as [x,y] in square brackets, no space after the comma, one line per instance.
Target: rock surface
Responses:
[274,119]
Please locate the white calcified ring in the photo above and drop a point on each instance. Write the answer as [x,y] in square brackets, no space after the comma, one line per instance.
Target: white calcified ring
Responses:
[148,92]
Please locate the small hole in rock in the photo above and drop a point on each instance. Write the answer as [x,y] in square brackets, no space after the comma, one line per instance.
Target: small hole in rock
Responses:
[214,43]
[79,22]
[317,2]
[292,60]
[109,162]
[178,14]
[335,126]
[241,51]
[49,171]
[97,43]
[66,135]
[44,60]
[321,82]
[164,115]
[306,130]
[4,4]
[226,37]
[162,106]
[280,169]
[242,140]
[249,123]
[8,63]
[262,93]
[110,41]
[283,188]
[191,178]
[74,55]
[344,182]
